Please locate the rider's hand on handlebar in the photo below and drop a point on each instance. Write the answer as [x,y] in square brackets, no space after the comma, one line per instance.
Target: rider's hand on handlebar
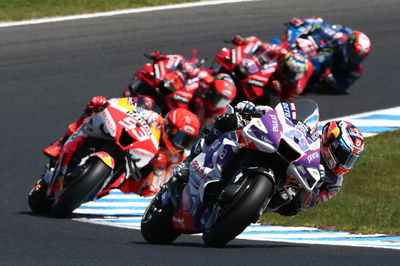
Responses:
[248,110]
[245,107]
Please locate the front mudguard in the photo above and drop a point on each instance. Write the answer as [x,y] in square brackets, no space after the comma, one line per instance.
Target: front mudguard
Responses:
[105,157]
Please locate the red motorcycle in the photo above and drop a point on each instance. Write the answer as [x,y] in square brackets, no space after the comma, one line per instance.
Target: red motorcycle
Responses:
[108,148]
[166,80]
[250,71]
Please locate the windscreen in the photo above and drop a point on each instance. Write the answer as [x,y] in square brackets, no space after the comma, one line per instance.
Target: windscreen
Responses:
[307,111]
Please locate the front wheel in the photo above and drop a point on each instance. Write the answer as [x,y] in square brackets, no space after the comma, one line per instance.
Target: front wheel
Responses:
[241,214]
[156,226]
[37,199]
[88,181]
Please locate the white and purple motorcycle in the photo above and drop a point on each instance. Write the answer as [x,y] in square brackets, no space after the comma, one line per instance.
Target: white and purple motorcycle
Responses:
[231,183]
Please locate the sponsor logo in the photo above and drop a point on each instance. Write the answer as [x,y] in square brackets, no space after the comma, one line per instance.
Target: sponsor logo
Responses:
[255,83]
[274,123]
[157,71]
[315,136]
[188,129]
[301,169]
[110,123]
[249,48]
[180,98]
[286,110]
[199,170]
[313,156]
[233,56]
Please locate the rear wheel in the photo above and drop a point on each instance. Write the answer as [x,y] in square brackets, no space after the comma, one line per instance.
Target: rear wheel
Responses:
[88,181]
[156,226]
[241,214]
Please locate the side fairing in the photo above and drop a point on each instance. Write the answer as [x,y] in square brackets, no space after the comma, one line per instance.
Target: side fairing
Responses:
[130,131]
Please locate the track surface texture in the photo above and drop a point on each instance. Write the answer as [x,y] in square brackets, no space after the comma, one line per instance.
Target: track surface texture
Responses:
[49,71]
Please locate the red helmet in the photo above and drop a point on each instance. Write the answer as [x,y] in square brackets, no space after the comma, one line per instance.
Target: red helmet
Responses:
[358,47]
[172,81]
[342,146]
[222,91]
[180,129]
[293,65]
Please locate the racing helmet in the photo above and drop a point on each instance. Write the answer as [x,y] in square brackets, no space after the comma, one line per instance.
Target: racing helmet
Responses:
[172,82]
[180,129]
[358,47]
[221,92]
[342,145]
[145,102]
[247,67]
[293,65]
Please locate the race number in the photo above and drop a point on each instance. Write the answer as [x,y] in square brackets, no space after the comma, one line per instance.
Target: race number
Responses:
[298,138]
[134,126]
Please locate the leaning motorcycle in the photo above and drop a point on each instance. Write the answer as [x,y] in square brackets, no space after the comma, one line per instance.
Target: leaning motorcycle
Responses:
[108,148]
[165,80]
[231,183]
[251,72]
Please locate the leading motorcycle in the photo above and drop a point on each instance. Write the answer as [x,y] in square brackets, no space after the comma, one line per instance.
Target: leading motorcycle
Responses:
[108,148]
[231,183]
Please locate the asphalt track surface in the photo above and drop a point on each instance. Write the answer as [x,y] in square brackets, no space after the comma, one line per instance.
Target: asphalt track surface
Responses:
[49,71]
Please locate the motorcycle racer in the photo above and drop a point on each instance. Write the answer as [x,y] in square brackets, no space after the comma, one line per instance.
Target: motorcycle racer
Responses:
[174,133]
[170,80]
[342,145]
[179,129]
[211,99]
[337,52]
[293,72]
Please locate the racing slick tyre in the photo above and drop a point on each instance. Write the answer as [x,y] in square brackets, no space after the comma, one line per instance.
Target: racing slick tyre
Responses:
[241,213]
[37,200]
[88,181]
[156,225]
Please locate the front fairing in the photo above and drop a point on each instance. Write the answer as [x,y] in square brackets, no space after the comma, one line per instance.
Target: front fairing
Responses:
[154,73]
[278,131]
[118,124]
[230,58]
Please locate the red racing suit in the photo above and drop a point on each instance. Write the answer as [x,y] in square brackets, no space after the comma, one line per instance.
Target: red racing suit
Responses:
[287,89]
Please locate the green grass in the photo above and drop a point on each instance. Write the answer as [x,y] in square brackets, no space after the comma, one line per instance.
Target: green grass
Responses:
[370,199]
[13,10]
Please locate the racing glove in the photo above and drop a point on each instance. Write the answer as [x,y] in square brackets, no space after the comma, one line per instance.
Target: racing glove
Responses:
[97,104]
[229,122]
